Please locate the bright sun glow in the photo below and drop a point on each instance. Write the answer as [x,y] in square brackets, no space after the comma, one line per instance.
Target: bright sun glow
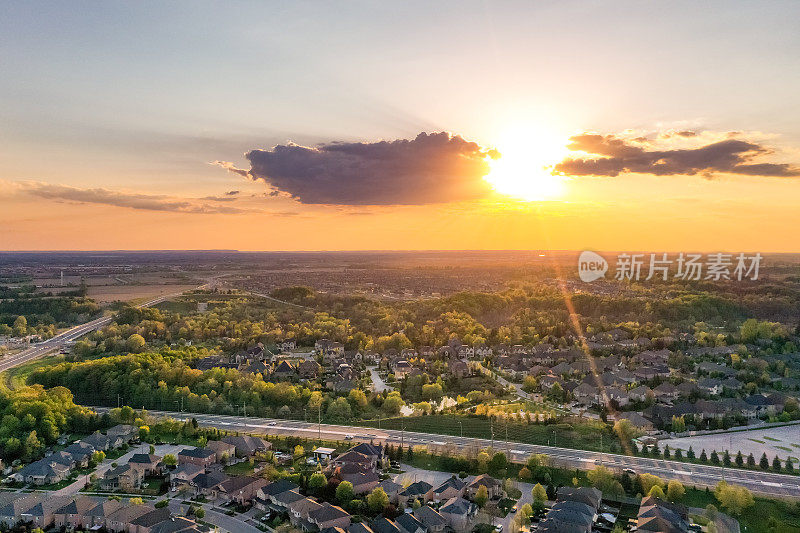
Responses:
[525,168]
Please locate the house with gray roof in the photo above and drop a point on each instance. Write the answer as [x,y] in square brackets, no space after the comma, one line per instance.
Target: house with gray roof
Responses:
[408,523]
[42,472]
[432,520]
[460,514]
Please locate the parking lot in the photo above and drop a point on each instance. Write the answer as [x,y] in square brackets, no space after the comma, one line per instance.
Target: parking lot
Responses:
[781,441]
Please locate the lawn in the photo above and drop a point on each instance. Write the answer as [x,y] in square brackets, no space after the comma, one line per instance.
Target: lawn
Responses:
[240,469]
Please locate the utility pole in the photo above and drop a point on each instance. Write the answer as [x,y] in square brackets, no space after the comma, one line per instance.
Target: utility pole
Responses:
[319,423]
[491,428]
[508,453]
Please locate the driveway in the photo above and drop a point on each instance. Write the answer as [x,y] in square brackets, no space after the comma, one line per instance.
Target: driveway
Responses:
[412,475]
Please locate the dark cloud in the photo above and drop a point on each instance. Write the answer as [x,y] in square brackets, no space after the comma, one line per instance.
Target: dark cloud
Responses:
[618,155]
[431,168]
[130,200]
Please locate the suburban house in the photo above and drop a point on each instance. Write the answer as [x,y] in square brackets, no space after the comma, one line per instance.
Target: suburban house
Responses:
[432,520]
[197,456]
[328,515]
[42,472]
[125,477]
[208,483]
[150,465]
[391,489]
[494,488]
[241,489]
[459,513]
[222,450]
[658,516]
[184,474]
[247,446]
[126,432]
[452,488]
[421,490]
[408,523]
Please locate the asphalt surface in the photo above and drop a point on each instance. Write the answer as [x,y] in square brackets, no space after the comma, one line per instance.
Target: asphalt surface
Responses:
[765,483]
[57,342]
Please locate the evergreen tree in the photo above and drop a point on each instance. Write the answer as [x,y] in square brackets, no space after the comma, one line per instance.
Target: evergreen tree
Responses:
[776,464]
[751,461]
[739,459]
[764,462]
[703,456]
[690,453]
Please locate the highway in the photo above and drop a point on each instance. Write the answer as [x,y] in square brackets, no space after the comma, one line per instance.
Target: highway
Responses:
[765,483]
[57,342]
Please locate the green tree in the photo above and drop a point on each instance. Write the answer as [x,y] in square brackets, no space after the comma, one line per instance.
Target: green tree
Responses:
[135,343]
[648,481]
[656,492]
[603,479]
[733,498]
[498,463]
[377,500]
[170,460]
[20,326]
[317,481]
[339,409]
[481,496]
[393,403]
[344,492]
[675,490]
[764,462]
[358,398]
[539,493]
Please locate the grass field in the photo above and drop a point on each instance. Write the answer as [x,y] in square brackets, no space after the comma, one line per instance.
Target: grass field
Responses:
[756,518]
[581,435]
[134,293]
[16,377]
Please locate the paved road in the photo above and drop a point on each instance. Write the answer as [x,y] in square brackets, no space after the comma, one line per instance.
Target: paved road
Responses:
[161,449]
[58,341]
[378,384]
[766,483]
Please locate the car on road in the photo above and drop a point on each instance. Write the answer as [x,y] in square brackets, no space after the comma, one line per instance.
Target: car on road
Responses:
[514,509]
[629,471]
[348,437]
[499,528]
[597,461]
[272,424]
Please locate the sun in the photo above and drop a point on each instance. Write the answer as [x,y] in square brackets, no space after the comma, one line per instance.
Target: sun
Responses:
[524,169]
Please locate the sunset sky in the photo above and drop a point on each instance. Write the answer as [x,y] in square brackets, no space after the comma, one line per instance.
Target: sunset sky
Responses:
[413,125]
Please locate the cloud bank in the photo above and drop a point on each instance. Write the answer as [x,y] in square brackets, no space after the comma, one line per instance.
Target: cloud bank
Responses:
[139,201]
[618,155]
[431,168]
